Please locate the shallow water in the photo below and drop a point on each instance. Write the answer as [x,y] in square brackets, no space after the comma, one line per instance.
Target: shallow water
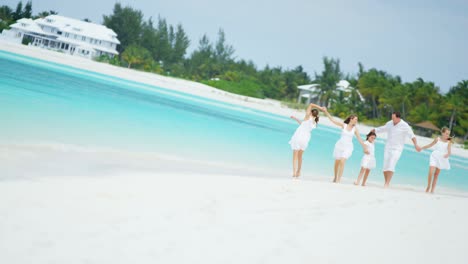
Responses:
[43,102]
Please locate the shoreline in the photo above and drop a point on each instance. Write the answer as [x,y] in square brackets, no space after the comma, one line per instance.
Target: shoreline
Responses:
[186,86]
[63,203]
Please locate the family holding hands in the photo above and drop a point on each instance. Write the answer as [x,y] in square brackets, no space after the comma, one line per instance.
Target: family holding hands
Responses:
[397,131]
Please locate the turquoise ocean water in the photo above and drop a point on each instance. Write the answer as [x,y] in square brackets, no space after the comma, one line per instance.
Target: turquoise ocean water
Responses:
[47,102]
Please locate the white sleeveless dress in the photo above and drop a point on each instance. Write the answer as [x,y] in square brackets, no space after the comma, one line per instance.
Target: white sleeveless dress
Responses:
[437,156]
[344,146]
[301,137]
[368,160]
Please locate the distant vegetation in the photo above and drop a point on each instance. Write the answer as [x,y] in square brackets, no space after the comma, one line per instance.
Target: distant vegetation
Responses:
[156,46]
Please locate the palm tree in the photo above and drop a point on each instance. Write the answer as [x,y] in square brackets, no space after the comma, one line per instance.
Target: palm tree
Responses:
[457,105]
[327,81]
[372,85]
[134,54]
[402,94]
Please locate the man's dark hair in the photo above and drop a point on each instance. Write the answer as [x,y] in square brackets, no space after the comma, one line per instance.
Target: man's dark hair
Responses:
[397,114]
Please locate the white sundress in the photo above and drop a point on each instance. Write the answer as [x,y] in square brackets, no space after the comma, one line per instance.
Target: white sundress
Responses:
[368,160]
[301,137]
[437,156]
[344,146]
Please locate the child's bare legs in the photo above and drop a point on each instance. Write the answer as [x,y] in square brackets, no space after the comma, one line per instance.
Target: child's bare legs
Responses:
[295,156]
[341,169]
[434,181]
[361,173]
[299,162]
[366,174]
[429,178]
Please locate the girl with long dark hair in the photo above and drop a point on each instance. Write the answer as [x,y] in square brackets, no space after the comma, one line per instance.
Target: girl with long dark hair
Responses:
[300,140]
[344,146]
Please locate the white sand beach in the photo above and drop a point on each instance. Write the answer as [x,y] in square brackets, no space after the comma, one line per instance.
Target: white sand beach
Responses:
[164,217]
[154,213]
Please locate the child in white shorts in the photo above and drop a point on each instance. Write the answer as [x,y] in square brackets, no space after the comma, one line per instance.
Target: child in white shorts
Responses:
[368,160]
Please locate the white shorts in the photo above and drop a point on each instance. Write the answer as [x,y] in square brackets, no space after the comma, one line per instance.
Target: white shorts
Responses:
[368,162]
[391,157]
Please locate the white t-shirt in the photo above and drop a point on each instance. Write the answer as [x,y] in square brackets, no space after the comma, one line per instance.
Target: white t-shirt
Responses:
[396,134]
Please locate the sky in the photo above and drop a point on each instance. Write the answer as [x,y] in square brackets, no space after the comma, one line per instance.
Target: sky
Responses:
[413,39]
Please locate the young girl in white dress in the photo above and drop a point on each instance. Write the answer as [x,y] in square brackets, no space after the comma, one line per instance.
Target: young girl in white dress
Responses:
[300,140]
[368,160]
[439,158]
[344,146]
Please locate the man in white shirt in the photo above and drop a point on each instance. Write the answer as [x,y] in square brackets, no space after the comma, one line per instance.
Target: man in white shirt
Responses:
[397,130]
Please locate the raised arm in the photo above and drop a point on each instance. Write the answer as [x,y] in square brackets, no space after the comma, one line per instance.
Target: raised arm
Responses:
[340,124]
[430,144]
[358,136]
[295,118]
[311,105]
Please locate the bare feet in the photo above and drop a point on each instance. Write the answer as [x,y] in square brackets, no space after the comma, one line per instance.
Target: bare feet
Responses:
[427,189]
[356,183]
[296,175]
[363,185]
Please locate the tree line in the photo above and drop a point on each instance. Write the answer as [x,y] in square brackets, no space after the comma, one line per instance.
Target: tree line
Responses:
[154,45]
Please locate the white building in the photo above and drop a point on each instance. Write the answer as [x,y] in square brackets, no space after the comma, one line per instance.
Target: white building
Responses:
[64,34]
[312,91]
[309,91]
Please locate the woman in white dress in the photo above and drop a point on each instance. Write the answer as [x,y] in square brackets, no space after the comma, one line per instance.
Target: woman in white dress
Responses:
[300,140]
[344,146]
[439,158]
[368,160]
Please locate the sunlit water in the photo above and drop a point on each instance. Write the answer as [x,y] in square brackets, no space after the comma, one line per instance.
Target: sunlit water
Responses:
[47,102]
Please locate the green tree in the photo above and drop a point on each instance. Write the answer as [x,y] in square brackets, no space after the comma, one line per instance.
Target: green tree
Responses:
[372,85]
[223,52]
[163,44]
[425,92]
[397,96]
[180,45]
[46,13]
[6,13]
[27,11]
[179,42]
[456,107]
[272,80]
[127,23]
[148,38]
[327,81]
[426,100]
[18,14]
[201,60]
[6,17]
[136,55]
[292,79]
